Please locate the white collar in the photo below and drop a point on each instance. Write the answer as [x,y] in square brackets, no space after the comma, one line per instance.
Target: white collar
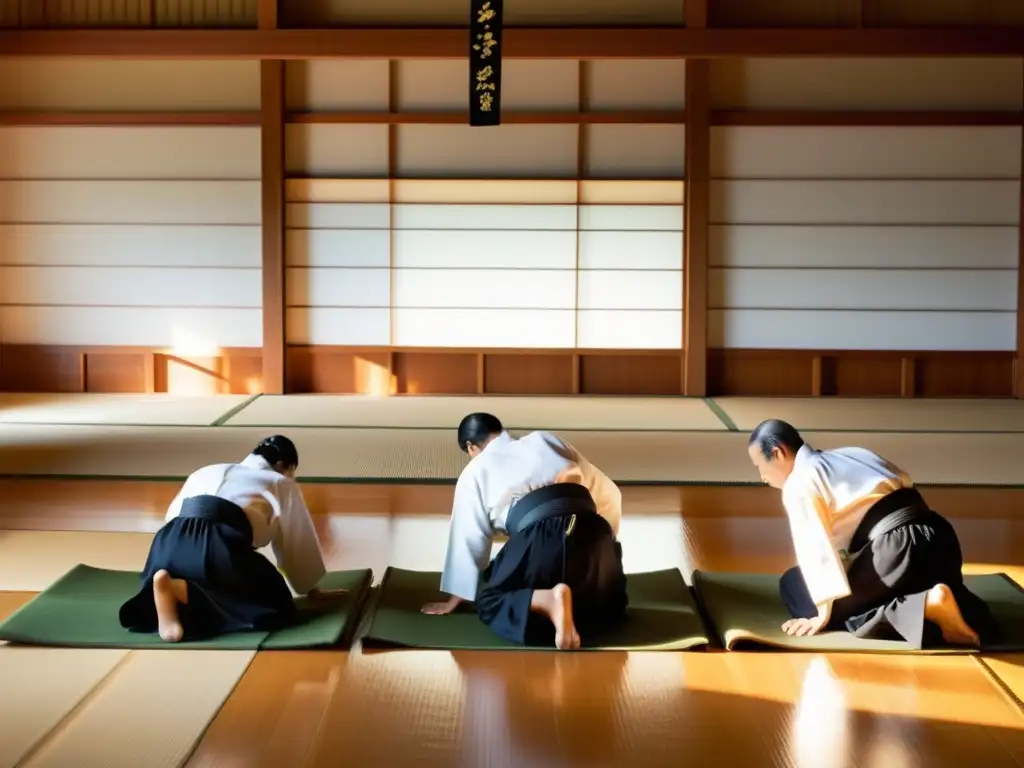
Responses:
[504,438]
[803,455]
[256,462]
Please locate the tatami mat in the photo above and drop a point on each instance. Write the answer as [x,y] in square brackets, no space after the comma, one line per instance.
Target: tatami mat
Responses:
[553,413]
[30,561]
[877,415]
[150,712]
[117,409]
[41,686]
[385,455]
[1008,671]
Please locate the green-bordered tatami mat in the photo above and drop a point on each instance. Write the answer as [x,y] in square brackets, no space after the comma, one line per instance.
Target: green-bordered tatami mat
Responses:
[869,414]
[432,455]
[119,409]
[433,412]
[80,610]
[662,616]
[747,612]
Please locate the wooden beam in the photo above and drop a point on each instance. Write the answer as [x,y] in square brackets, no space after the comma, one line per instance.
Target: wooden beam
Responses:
[520,43]
[583,74]
[111,119]
[1018,369]
[697,213]
[854,118]
[639,117]
[272,187]
[772,118]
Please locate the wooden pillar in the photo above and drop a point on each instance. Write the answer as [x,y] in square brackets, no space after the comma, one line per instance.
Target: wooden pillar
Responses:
[1018,368]
[582,139]
[272,211]
[697,211]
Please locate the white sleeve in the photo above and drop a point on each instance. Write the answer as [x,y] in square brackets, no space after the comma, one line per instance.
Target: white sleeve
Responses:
[174,509]
[470,537]
[295,542]
[606,494]
[810,526]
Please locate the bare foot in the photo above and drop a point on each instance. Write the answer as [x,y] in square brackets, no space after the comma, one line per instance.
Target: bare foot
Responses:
[556,604]
[940,607]
[566,636]
[168,621]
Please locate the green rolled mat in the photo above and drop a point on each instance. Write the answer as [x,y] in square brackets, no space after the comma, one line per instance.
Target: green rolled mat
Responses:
[80,610]
[748,613]
[662,616]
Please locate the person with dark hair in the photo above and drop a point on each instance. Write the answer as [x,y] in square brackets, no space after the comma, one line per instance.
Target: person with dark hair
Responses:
[873,558]
[204,575]
[561,570]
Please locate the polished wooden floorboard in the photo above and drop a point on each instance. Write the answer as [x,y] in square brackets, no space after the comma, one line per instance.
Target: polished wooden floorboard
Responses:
[708,527]
[478,710]
[612,709]
[139,505]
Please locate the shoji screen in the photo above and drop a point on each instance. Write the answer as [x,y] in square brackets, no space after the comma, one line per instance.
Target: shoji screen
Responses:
[866,238]
[130,236]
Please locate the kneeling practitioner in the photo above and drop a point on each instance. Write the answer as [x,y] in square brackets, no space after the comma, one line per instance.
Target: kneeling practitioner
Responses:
[561,562]
[873,559]
[204,575]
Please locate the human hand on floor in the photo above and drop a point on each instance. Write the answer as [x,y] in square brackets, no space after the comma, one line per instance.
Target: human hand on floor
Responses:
[441,608]
[803,627]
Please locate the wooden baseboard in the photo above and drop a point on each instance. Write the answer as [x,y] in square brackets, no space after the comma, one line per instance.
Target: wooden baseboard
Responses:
[811,373]
[39,368]
[405,371]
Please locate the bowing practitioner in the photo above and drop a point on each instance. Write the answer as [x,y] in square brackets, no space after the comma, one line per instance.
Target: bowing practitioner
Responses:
[560,571]
[204,577]
[873,558]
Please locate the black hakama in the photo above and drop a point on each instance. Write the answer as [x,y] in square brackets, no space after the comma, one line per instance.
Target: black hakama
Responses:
[556,537]
[231,586]
[901,549]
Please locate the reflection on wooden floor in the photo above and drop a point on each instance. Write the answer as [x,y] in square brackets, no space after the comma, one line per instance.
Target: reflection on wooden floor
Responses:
[373,526]
[484,710]
[519,709]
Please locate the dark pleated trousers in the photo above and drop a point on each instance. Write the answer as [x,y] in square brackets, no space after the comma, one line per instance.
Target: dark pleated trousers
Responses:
[588,561]
[231,586]
[889,582]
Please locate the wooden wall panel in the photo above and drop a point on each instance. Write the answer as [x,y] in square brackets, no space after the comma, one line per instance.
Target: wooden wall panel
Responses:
[942,13]
[323,369]
[427,373]
[40,369]
[762,372]
[384,371]
[115,373]
[862,376]
[795,373]
[528,374]
[622,374]
[965,375]
[128,13]
[782,15]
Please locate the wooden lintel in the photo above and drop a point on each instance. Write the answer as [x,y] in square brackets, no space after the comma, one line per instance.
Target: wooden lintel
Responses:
[519,43]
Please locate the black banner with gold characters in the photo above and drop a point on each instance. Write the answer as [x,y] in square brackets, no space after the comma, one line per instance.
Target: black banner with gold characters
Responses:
[485,62]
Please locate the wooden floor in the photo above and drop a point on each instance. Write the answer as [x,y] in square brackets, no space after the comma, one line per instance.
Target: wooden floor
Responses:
[480,710]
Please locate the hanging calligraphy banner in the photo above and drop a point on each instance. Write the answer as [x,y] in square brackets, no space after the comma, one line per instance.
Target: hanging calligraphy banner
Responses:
[485,23]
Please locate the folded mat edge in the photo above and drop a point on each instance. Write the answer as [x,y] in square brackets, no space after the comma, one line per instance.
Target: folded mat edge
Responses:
[740,640]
